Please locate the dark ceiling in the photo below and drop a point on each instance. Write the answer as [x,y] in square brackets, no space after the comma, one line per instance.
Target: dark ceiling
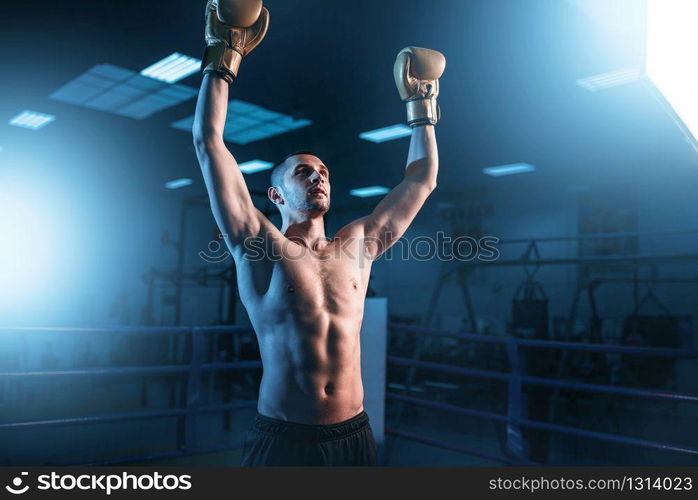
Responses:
[508,93]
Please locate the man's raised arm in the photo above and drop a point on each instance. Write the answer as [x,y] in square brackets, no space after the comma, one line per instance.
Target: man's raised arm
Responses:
[233,29]
[417,72]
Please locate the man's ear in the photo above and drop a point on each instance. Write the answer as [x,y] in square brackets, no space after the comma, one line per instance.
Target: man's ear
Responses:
[275,195]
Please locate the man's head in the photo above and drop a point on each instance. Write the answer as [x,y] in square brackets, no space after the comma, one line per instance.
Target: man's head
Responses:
[300,184]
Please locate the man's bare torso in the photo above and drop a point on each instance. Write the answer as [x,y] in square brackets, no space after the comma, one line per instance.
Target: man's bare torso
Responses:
[306,306]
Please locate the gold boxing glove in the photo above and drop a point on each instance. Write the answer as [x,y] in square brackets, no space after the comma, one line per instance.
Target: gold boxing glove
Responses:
[417,72]
[233,29]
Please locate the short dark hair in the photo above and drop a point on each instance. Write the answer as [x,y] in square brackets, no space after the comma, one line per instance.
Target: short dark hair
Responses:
[277,173]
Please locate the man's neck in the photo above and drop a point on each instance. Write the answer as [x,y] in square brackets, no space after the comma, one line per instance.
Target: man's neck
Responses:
[308,232]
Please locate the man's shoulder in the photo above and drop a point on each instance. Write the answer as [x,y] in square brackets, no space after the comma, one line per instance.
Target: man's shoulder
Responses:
[355,228]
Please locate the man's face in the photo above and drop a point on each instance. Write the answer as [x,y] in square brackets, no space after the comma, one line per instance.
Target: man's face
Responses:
[306,184]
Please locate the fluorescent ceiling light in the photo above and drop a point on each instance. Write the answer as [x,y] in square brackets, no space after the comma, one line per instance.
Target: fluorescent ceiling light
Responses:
[619,17]
[386,133]
[247,122]
[365,192]
[611,79]
[178,183]
[250,167]
[172,68]
[32,120]
[671,40]
[514,168]
[106,87]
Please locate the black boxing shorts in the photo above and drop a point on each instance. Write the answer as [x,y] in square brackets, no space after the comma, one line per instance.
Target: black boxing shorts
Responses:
[272,442]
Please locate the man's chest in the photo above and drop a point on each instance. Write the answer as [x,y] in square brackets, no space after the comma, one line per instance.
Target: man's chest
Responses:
[328,275]
[330,279]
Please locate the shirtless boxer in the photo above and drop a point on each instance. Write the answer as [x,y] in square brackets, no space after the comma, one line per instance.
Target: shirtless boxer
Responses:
[306,306]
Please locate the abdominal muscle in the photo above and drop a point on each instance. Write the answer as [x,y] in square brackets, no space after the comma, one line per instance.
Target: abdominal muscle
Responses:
[312,371]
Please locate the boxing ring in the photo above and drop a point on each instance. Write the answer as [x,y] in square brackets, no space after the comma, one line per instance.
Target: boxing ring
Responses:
[193,371]
[516,378]
[195,367]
